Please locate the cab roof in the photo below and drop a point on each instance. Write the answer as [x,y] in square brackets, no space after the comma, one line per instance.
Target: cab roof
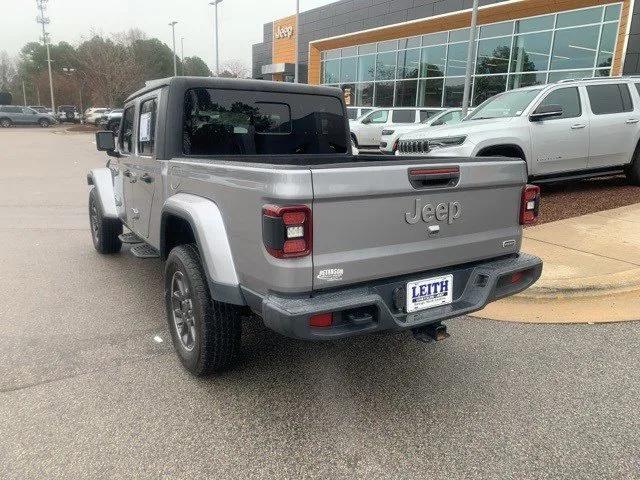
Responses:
[237,84]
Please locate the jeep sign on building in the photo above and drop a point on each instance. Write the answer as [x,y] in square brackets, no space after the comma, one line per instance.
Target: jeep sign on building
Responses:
[413,52]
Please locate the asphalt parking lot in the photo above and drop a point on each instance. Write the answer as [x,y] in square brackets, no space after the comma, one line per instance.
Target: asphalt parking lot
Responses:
[87,391]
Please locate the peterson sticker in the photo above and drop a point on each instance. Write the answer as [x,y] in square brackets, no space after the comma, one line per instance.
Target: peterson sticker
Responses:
[331,274]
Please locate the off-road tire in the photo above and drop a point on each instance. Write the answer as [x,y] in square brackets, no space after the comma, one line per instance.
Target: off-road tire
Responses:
[5,122]
[104,231]
[633,171]
[216,343]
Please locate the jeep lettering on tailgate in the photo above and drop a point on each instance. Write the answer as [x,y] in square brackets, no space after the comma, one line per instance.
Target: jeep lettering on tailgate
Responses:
[442,211]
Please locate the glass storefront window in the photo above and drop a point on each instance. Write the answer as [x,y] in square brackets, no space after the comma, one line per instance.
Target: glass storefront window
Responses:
[432,61]
[496,30]
[579,17]
[457,59]
[557,76]
[535,24]
[493,55]
[612,12]
[365,49]
[386,66]
[364,94]
[349,51]
[366,68]
[531,52]
[485,87]
[331,71]
[526,80]
[348,69]
[408,63]
[575,48]
[406,93]
[607,44]
[453,91]
[430,92]
[387,46]
[459,35]
[434,39]
[409,43]
[384,94]
[429,70]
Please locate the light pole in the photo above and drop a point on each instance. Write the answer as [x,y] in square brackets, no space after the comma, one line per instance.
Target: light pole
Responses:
[175,63]
[182,53]
[470,55]
[43,20]
[215,21]
[296,71]
[72,71]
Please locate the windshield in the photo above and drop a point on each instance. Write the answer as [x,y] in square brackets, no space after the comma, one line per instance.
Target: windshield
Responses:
[508,104]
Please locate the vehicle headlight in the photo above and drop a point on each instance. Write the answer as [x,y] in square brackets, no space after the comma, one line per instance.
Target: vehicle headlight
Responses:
[387,132]
[447,141]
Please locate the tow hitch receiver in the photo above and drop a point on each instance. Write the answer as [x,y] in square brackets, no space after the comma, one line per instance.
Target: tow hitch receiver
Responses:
[430,333]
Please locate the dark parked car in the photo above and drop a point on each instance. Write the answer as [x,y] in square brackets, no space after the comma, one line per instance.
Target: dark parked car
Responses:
[15,115]
[69,113]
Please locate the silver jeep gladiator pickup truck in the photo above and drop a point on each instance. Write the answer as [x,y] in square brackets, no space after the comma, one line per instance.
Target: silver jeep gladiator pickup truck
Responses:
[249,192]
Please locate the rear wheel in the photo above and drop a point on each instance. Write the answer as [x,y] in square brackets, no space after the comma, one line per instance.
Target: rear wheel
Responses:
[104,231]
[205,333]
[5,123]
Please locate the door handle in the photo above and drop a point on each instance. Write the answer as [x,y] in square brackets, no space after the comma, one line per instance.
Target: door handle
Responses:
[632,120]
[578,126]
[146,178]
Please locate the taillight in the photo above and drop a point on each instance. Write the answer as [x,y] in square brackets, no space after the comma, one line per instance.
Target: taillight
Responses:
[530,204]
[286,231]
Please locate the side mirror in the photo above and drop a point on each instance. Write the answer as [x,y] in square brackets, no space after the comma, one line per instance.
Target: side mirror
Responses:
[106,142]
[366,120]
[546,111]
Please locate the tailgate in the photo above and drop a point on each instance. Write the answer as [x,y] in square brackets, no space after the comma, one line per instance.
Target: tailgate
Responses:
[376,221]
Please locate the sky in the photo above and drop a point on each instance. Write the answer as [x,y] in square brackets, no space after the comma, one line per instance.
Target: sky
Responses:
[72,20]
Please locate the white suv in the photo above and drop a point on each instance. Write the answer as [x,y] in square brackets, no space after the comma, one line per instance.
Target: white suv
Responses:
[569,129]
[390,135]
[366,130]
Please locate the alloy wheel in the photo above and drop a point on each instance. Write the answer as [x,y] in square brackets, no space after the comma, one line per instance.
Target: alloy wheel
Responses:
[182,311]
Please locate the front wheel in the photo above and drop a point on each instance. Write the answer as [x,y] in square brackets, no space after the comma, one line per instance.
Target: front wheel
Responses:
[44,123]
[205,333]
[633,170]
[104,231]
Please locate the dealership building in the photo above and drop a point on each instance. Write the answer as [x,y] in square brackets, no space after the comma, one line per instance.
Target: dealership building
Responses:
[414,52]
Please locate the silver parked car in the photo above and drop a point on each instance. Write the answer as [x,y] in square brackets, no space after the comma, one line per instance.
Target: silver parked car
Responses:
[570,129]
[15,115]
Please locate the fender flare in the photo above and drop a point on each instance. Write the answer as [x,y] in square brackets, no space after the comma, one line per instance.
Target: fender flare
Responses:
[101,180]
[210,233]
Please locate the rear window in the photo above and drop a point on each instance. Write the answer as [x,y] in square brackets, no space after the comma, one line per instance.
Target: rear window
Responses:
[609,98]
[403,116]
[235,122]
[352,113]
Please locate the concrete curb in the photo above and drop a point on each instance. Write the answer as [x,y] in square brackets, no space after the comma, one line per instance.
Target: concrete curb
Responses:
[591,286]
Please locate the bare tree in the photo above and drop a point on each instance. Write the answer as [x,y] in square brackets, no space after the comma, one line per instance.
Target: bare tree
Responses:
[109,70]
[234,69]
[8,71]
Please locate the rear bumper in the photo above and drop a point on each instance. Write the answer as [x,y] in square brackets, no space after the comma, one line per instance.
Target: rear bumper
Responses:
[380,305]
